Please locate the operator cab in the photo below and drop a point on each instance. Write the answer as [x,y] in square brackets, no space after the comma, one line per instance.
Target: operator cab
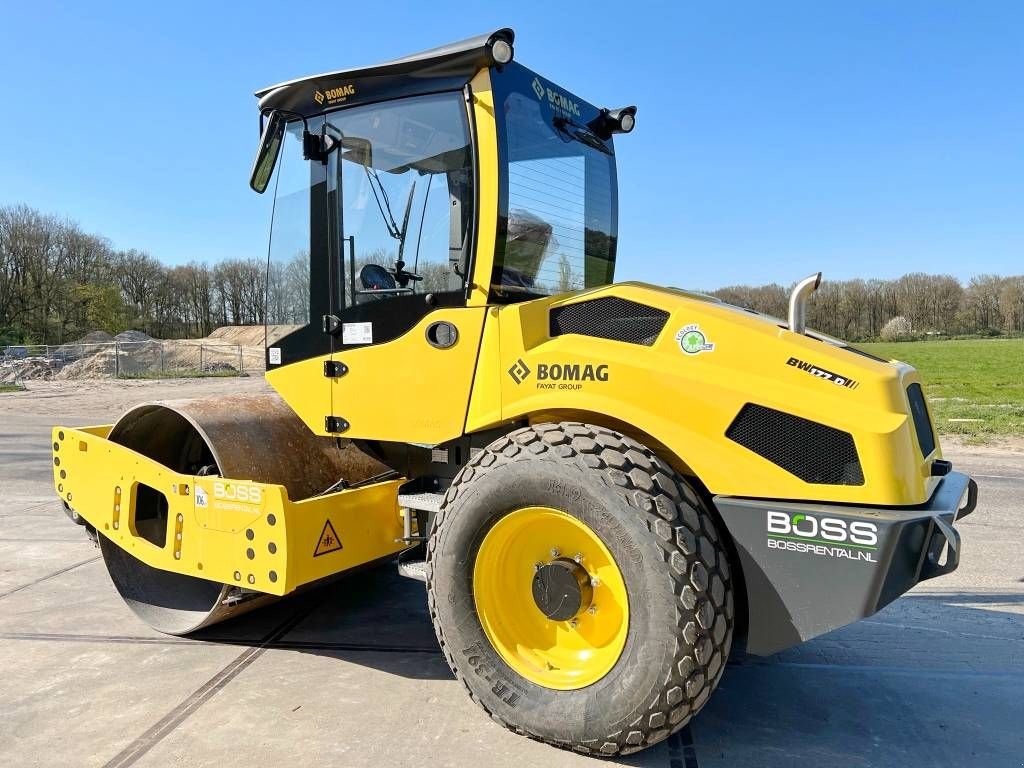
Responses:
[451,178]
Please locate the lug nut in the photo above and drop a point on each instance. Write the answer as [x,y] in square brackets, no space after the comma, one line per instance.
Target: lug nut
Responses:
[555,552]
[595,582]
[537,566]
[592,610]
[578,557]
[573,623]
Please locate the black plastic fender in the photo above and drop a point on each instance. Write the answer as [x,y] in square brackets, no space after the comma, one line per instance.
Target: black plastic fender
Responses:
[810,568]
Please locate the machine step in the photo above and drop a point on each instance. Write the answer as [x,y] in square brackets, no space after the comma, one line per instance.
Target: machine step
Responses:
[426,502]
[413,569]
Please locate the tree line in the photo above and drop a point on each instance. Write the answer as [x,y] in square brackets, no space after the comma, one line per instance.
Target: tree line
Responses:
[58,282]
[858,310]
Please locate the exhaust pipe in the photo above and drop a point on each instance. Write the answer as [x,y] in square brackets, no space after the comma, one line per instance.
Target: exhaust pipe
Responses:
[798,302]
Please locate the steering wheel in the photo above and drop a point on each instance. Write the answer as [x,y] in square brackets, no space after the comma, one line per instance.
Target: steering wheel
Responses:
[403,277]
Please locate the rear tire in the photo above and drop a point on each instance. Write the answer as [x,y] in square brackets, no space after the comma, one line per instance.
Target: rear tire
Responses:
[672,560]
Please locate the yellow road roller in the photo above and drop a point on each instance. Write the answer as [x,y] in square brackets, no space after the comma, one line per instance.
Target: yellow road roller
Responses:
[605,486]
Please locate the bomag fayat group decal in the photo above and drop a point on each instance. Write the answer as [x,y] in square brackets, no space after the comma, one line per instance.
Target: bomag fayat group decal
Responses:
[333,96]
[823,536]
[564,376]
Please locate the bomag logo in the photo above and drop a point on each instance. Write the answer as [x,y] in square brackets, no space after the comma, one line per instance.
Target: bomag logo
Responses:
[569,376]
[250,494]
[334,95]
[571,372]
[824,529]
[558,101]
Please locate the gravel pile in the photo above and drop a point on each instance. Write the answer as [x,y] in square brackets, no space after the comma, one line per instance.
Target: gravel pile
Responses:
[31,369]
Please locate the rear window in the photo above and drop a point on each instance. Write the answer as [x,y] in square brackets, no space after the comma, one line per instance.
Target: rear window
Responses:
[559,208]
[922,421]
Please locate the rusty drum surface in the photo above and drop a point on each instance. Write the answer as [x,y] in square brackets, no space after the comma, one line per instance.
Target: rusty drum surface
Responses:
[244,437]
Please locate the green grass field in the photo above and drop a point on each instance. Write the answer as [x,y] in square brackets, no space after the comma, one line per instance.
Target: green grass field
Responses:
[978,381]
[11,388]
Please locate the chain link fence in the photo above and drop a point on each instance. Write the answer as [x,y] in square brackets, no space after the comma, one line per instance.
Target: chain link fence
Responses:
[128,360]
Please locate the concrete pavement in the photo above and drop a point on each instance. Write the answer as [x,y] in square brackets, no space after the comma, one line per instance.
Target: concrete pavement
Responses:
[350,675]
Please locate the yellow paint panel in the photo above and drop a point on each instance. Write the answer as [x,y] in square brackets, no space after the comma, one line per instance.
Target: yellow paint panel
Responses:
[686,402]
[407,390]
[485,405]
[487,176]
[226,526]
[302,385]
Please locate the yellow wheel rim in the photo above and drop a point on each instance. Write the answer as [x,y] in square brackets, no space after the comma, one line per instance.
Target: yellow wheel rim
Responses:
[564,655]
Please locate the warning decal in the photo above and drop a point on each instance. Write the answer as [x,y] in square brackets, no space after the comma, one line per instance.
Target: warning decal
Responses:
[329,541]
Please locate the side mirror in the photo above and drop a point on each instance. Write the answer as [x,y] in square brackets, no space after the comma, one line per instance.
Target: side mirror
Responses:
[266,156]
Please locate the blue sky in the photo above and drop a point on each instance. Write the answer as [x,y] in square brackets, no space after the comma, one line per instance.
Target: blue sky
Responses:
[773,139]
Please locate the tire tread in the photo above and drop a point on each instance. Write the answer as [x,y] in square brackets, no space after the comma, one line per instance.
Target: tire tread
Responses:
[693,555]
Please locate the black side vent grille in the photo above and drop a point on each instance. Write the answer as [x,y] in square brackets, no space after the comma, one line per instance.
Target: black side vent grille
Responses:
[610,318]
[814,452]
[922,422]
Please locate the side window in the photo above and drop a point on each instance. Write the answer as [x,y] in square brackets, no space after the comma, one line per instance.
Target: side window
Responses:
[407,173]
[561,207]
[288,295]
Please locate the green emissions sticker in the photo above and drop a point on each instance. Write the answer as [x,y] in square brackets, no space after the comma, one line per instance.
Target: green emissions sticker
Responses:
[693,341]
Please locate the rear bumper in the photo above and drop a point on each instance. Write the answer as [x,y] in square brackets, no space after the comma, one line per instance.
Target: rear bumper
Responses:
[810,568]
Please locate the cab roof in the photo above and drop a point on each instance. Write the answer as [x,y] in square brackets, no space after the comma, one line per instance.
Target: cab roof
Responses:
[448,66]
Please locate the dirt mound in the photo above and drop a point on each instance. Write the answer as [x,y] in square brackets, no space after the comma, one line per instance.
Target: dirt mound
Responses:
[153,358]
[250,335]
[230,348]
[31,369]
[87,345]
[99,365]
[94,337]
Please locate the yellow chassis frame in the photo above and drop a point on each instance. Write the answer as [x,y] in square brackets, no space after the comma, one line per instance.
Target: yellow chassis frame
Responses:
[225,530]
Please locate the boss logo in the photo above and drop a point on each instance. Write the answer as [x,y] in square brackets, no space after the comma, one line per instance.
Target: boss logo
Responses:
[250,494]
[827,528]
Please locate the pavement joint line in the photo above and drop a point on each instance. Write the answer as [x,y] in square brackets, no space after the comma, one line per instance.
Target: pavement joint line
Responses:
[169,722]
[47,577]
[41,541]
[918,628]
[876,669]
[283,645]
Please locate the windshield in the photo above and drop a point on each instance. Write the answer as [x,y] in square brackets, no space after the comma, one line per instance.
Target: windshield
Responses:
[406,177]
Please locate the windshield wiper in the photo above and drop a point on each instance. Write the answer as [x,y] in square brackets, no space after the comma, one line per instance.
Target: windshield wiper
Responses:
[389,217]
[581,133]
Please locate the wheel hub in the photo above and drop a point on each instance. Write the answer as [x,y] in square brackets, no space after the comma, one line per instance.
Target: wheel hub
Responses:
[550,598]
[561,589]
